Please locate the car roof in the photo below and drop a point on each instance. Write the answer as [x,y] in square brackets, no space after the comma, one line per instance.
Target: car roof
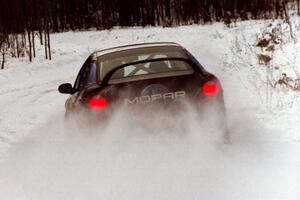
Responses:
[135,46]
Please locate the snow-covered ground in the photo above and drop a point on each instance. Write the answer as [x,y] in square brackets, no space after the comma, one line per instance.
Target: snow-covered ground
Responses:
[44,158]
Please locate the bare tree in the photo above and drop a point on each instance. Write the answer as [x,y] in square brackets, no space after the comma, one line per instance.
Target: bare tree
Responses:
[25,18]
[3,56]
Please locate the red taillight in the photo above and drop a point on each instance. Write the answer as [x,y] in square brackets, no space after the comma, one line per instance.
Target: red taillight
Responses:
[210,88]
[98,102]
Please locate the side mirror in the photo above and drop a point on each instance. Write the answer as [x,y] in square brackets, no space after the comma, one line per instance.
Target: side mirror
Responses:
[66,88]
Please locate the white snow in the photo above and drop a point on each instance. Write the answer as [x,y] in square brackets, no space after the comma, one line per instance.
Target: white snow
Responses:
[45,158]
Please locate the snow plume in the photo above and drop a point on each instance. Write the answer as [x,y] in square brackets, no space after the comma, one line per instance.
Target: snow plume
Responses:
[147,154]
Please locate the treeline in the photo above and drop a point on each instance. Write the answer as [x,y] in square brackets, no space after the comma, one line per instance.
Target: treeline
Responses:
[21,21]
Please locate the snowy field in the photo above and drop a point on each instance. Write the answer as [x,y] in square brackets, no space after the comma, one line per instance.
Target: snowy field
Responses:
[45,158]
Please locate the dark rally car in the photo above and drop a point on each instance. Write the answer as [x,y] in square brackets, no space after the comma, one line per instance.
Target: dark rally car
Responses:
[141,75]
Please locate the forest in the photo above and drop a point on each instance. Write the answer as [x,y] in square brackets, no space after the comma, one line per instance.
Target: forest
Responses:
[22,21]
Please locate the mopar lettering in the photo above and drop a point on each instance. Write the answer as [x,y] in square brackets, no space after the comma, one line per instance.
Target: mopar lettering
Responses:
[133,101]
[155,97]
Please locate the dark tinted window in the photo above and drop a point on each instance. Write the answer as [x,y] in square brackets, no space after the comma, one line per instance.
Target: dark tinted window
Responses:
[87,74]
[91,74]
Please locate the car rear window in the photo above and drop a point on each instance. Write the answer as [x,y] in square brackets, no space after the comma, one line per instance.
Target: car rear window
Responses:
[110,61]
[151,69]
